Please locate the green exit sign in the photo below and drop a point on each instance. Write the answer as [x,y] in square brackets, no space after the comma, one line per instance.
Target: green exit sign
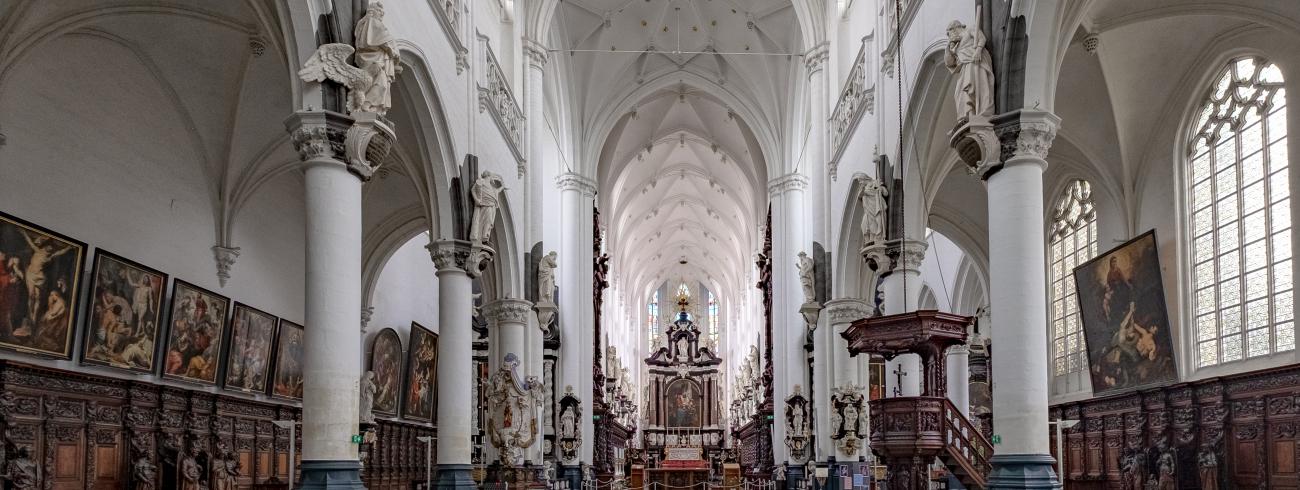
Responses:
[356,438]
[996,439]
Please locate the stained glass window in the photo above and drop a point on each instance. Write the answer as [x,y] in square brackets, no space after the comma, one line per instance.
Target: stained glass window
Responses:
[1073,240]
[1239,196]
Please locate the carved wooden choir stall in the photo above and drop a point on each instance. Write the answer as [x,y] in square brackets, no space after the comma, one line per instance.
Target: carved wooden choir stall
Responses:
[753,417]
[684,430]
[1234,431]
[909,432]
[68,430]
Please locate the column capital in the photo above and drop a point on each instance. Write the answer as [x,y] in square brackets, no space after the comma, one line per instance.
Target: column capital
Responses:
[814,59]
[460,255]
[360,142]
[907,255]
[789,182]
[570,181]
[536,53]
[1033,137]
[508,310]
[847,310]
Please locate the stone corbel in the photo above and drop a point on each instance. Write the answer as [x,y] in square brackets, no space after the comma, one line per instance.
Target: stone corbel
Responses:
[225,257]
[977,144]
[367,143]
[367,312]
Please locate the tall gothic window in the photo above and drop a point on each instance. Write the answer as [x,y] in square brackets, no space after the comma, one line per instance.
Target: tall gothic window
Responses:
[713,318]
[652,320]
[1073,240]
[1239,198]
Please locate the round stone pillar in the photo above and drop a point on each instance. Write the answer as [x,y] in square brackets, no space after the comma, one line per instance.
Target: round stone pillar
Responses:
[456,401]
[902,293]
[1018,299]
[331,366]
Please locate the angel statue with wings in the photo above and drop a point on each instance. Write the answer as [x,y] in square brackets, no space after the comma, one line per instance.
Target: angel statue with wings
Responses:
[370,82]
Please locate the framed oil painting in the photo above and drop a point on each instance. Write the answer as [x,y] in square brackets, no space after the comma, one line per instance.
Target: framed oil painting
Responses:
[125,313]
[40,275]
[287,382]
[419,402]
[252,332]
[1125,323]
[683,401]
[386,362]
[196,325]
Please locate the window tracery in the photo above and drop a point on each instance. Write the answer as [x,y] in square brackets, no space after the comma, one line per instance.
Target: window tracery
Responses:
[1072,241]
[1238,195]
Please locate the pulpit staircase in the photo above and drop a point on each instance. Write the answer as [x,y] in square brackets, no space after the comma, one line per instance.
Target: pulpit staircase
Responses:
[968,452]
[909,433]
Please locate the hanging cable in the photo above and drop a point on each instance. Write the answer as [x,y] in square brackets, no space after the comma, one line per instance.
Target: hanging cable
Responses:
[902,168]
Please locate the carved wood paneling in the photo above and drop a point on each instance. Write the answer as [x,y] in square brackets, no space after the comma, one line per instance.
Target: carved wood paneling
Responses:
[1240,430]
[86,431]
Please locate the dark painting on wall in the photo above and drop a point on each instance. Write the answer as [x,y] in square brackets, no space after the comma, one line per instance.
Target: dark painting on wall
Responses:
[252,332]
[683,403]
[419,400]
[125,313]
[386,362]
[40,274]
[1125,324]
[288,361]
[196,326]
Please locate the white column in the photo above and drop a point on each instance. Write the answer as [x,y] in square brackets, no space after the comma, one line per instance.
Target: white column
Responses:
[958,360]
[456,374]
[577,194]
[902,293]
[789,237]
[535,105]
[333,294]
[331,366]
[847,373]
[1018,291]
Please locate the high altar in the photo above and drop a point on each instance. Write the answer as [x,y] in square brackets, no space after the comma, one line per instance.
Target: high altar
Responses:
[684,431]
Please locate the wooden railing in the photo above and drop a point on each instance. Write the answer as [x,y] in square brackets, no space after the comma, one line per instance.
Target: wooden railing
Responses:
[968,450]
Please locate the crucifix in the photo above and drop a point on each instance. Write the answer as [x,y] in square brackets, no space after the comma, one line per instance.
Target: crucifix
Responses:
[898,385]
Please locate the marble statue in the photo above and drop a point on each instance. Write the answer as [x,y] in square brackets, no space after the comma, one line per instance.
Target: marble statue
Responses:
[546,278]
[369,83]
[377,56]
[225,468]
[872,197]
[836,421]
[807,279]
[368,388]
[568,426]
[851,418]
[799,420]
[967,57]
[778,473]
[486,197]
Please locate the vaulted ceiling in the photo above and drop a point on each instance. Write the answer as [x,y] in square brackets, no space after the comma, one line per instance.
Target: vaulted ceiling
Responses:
[679,101]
